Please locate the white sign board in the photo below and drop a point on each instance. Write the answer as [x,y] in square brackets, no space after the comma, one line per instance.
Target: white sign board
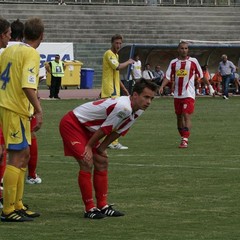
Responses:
[49,50]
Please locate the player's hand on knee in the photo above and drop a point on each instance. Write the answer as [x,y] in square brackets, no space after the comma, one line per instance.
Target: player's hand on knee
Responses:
[88,155]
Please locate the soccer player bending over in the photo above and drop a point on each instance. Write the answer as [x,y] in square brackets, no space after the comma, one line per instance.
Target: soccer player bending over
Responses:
[84,127]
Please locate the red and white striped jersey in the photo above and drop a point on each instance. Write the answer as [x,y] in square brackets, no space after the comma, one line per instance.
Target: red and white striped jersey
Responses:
[183,72]
[110,114]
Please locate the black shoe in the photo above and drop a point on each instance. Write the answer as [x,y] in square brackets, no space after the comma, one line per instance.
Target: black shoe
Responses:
[94,214]
[57,98]
[27,213]
[14,216]
[110,212]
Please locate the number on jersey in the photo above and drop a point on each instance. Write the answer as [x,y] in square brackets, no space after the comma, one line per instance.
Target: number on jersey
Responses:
[5,76]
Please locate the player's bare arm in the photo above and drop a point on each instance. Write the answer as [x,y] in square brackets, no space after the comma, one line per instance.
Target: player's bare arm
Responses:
[125,64]
[88,154]
[33,99]
[164,83]
[110,138]
[124,89]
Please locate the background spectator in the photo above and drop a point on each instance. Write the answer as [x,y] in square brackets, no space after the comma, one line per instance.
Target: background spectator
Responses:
[216,81]
[56,69]
[226,68]
[147,73]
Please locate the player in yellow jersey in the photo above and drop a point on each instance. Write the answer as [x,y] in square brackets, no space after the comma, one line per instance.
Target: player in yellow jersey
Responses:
[19,70]
[17,28]
[111,83]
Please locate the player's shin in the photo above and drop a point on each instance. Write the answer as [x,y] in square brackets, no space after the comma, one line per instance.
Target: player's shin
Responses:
[85,185]
[100,181]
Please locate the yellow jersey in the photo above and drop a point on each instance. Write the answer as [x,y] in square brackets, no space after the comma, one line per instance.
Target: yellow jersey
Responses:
[19,68]
[110,75]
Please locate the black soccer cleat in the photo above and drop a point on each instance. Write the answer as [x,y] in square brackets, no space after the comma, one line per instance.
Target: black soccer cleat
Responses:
[111,212]
[27,213]
[14,216]
[95,213]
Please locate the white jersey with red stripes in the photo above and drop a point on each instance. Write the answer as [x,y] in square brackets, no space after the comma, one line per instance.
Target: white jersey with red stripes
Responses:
[183,72]
[110,114]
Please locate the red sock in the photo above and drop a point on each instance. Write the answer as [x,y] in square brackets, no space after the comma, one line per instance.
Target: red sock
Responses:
[32,164]
[185,132]
[180,130]
[85,185]
[100,182]
[2,167]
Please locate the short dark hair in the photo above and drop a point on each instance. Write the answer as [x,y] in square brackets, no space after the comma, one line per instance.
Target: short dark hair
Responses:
[182,42]
[17,28]
[33,28]
[115,37]
[143,83]
[4,25]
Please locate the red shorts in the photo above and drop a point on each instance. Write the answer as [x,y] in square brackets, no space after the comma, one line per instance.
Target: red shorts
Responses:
[1,137]
[184,105]
[74,135]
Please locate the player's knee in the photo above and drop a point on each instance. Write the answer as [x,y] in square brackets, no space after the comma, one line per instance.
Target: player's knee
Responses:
[100,162]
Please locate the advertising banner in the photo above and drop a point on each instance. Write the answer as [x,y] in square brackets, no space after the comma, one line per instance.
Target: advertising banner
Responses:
[49,50]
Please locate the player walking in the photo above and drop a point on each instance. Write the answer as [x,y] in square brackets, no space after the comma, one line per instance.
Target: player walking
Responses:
[182,71]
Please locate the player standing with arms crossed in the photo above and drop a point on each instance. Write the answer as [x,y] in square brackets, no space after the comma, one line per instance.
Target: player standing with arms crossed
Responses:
[182,71]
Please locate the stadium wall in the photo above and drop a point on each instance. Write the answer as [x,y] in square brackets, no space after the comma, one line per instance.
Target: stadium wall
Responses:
[90,26]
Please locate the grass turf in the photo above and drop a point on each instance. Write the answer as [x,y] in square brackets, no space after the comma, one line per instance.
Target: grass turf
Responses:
[166,193]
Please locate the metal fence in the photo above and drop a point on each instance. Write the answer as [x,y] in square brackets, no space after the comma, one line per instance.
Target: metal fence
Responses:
[137,2]
[166,2]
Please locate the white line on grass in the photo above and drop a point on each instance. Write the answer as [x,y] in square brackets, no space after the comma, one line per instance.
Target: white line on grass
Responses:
[154,155]
[70,160]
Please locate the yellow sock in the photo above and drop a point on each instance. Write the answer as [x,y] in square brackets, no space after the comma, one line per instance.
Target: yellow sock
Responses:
[20,189]
[115,142]
[10,182]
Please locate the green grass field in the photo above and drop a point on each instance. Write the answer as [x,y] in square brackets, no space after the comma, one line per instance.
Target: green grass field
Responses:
[166,193]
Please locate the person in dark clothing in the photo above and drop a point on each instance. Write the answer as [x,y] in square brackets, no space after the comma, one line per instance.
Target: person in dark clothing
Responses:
[56,69]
